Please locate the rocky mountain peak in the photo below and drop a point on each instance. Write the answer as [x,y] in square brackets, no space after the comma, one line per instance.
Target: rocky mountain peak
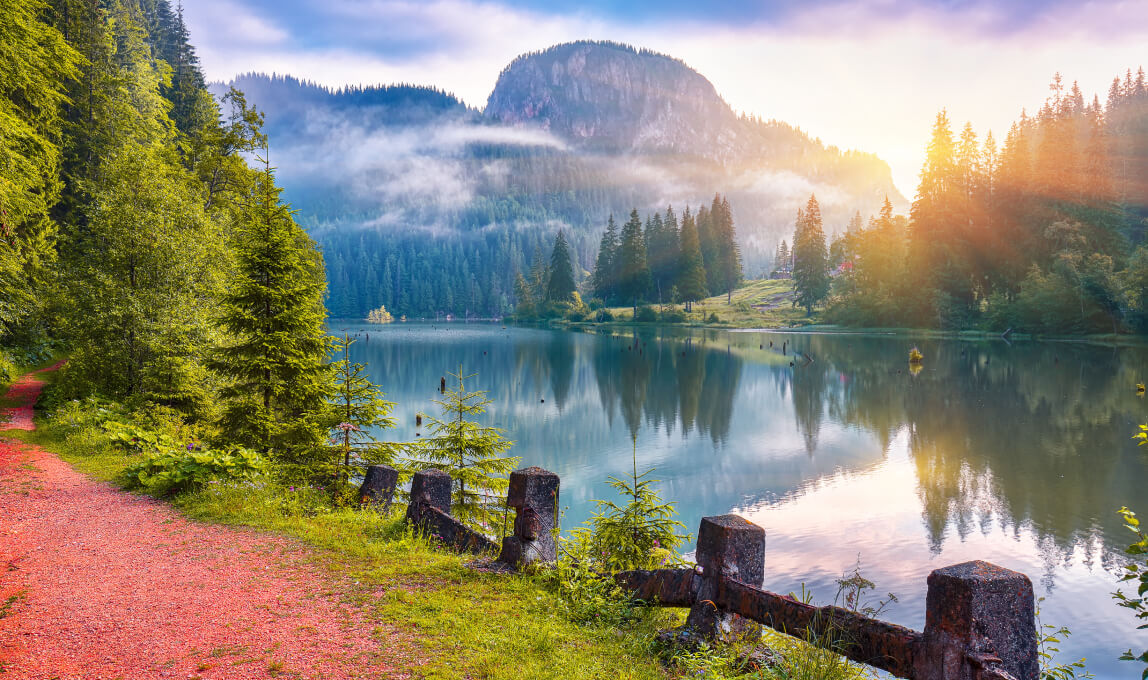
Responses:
[610,97]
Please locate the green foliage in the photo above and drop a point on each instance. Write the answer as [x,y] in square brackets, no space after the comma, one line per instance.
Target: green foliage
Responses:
[561,286]
[379,315]
[1136,573]
[176,470]
[639,533]
[8,371]
[471,453]
[587,594]
[360,408]
[810,258]
[140,301]
[645,314]
[851,594]
[277,381]
[1049,639]
[36,65]
[633,271]
[691,282]
[131,438]
[672,316]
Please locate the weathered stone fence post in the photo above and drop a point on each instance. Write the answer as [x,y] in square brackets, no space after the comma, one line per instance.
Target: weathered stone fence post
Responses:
[379,486]
[980,619]
[533,493]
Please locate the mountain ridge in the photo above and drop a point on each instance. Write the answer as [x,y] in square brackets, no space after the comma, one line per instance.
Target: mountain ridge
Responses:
[569,135]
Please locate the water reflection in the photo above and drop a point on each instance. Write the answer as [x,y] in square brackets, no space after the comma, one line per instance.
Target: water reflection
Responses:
[1017,454]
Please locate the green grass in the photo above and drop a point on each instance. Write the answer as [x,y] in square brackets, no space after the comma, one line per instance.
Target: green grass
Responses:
[437,618]
[433,615]
[765,303]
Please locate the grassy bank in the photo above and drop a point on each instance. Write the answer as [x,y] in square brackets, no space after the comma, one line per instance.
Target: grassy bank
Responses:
[448,621]
[436,616]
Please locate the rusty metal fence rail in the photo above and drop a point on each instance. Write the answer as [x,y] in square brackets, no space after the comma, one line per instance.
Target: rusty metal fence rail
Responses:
[980,619]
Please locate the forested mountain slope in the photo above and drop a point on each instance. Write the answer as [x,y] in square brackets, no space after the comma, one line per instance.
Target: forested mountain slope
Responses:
[425,205]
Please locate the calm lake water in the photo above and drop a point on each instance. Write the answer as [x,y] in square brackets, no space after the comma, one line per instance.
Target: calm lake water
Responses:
[1017,454]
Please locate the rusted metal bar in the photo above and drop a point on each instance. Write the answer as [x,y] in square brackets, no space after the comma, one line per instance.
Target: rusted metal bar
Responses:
[870,641]
[665,587]
[453,532]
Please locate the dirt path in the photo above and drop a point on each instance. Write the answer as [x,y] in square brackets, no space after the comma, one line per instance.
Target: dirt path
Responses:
[22,397]
[96,583]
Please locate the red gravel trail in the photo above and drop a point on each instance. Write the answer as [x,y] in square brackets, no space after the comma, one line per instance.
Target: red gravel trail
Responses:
[96,583]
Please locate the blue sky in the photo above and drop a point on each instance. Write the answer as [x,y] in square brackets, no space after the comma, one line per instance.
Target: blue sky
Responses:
[864,75]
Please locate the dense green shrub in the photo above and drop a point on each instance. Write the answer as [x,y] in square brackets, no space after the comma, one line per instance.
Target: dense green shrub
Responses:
[604,315]
[713,318]
[183,469]
[8,370]
[132,438]
[673,316]
[646,315]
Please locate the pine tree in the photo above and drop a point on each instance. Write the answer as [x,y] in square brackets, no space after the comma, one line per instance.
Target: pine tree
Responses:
[691,282]
[810,259]
[360,407]
[35,68]
[634,274]
[706,241]
[605,279]
[561,286]
[663,253]
[727,264]
[471,453]
[526,306]
[539,275]
[273,310]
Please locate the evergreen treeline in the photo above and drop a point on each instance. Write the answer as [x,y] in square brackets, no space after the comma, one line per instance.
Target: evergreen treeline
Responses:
[1045,233]
[137,238]
[518,193]
[665,262]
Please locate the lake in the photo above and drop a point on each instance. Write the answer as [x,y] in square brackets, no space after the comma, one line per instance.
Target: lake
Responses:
[1018,454]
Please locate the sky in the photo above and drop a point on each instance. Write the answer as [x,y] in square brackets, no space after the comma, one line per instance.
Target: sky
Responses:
[869,76]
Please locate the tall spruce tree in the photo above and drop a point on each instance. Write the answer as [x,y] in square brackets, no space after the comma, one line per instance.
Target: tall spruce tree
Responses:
[691,280]
[704,222]
[561,286]
[278,381]
[36,65]
[810,258]
[664,254]
[633,271]
[141,261]
[604,280]
[727,256]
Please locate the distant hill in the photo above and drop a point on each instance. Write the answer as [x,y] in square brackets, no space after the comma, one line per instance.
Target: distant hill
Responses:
[425,205]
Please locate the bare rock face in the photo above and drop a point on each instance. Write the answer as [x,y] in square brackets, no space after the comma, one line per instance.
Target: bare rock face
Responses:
[609,97]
